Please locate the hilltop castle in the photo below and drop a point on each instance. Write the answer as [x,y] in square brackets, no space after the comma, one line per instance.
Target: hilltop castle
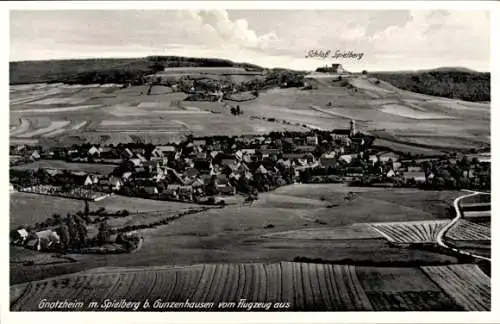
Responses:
[335,68]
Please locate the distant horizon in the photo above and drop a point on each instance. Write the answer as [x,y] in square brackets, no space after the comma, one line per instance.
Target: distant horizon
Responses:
[346,66]
[376,40]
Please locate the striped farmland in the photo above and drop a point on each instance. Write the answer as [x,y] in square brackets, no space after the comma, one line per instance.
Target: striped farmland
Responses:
[287,286]
[468,231]
[410,232]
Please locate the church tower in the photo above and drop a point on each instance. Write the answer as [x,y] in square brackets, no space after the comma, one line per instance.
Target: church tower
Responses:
[353,128]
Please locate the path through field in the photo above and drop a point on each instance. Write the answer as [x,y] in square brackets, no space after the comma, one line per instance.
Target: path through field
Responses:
[445,229]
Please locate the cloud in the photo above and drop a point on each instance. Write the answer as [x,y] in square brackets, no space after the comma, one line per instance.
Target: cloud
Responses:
[389,39]
[219,28]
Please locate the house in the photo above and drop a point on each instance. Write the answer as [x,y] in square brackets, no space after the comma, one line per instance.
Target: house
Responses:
[328,159]
[172,191]
[191,172]
[390,174]
[127,154]
[469,173]
[19,236]
[136,162]
[185,192]
[45,239]
[347,158]
[138,150]
[93,151]
[140,157]
[414,169]
[115,183]
[261,169]
[126,176]
[229,161]
[11,187]
[354,172]
[419,177]
[107,152]
[385,157]
[340,134]
[312,140]
[199,142]
[248,151]
[83,180]
[373,159]
[35,156]
[203,165]
[151,190]
[396,165]
[305,149]
[268,152]
[223,186]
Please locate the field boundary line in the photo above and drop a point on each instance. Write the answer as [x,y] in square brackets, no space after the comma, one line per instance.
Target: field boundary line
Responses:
[441,234]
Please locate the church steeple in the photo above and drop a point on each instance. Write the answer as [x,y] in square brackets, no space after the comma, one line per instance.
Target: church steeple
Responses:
[353,128]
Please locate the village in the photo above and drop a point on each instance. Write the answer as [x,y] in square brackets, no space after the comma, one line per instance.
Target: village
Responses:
[199,168]
[208,171]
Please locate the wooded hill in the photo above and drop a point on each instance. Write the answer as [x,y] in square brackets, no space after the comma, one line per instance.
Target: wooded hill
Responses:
[89,71]
[454,84]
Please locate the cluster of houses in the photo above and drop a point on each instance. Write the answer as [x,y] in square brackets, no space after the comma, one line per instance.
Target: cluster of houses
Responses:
[201,167]
[39,241]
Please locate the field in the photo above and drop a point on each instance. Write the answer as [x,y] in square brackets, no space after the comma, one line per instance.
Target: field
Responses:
[410,232]
[465,283]
[402,120]
[26,208]
[62,165]
[468,231]
[304,286]
[313,221]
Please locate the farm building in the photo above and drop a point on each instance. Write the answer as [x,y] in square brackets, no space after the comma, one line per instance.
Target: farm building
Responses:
[19,236]
[45,239]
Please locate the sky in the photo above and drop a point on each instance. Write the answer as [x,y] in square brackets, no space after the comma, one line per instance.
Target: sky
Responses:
[388,39]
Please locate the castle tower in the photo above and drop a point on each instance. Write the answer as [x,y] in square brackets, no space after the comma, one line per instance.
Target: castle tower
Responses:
[353,128]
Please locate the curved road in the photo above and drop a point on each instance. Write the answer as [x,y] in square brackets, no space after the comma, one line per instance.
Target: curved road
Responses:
[443,231]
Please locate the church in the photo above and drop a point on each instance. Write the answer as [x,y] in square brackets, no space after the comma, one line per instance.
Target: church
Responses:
[343,134]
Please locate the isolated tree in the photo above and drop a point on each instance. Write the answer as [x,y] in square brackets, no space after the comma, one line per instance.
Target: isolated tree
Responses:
[73,231]
[82,232]
[364,72]
[104,232]
[86,210]
[238,110]
[64,234]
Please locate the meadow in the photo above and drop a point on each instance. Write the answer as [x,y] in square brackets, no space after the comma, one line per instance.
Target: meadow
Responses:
[314,221]
[402,120]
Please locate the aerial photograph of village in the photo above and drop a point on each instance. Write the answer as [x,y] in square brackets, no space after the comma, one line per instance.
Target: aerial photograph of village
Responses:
[249,160]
